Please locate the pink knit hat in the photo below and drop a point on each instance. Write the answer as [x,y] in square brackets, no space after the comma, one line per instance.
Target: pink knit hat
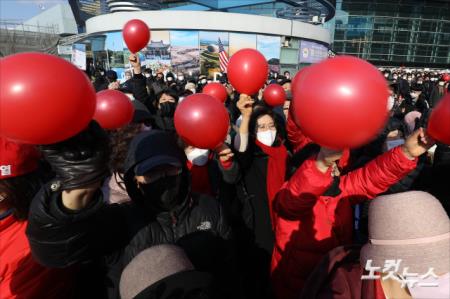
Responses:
[411,226]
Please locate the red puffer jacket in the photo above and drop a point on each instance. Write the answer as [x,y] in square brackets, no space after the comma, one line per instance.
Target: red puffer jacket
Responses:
[308,224]
[295,136]
[20,275]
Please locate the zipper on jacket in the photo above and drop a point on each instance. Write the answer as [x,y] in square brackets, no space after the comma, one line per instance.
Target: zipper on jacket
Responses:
[174,221]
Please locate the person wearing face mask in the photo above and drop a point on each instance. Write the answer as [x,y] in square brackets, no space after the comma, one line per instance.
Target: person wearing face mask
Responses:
[165,105]
[114,190]
[212,172]
[158,85]
[262,158]
[70,222]
[419,247]
[287,75]
[202,81]
[318,199]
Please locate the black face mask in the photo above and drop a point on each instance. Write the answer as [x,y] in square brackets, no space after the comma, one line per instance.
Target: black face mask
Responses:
[167,109]
[164,194]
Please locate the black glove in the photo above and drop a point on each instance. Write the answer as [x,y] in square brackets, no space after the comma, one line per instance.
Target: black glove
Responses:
[80,160]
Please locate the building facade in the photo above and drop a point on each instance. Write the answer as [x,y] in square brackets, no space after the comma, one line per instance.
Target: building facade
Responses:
[394,33]
[185,35]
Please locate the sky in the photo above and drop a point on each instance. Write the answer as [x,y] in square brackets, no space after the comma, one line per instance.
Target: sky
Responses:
[24,9]
[184,38]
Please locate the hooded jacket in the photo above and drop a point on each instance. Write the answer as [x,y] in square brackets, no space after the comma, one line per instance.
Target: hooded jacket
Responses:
[310,222]
[117,233]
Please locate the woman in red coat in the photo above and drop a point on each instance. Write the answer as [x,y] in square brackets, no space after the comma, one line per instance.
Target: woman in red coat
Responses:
[313,212]
[20,275]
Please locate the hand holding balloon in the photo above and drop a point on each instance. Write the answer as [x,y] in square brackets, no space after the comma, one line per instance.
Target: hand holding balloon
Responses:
[245,105]
[135,63]
[224,152]
[417,144]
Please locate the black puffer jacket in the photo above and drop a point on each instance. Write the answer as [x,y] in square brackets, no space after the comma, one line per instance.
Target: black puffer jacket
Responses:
[117,233]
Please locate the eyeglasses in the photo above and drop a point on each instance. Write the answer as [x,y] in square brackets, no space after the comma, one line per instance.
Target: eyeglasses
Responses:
[153,176]
[266,127]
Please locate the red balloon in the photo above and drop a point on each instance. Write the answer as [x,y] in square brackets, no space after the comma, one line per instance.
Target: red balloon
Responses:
[43,99]
[274,95]
[446,77]
[202,121]
[114,109]
[216,90]
[341,102]
[136,35]
[247,71]
[439,123]
[296,79]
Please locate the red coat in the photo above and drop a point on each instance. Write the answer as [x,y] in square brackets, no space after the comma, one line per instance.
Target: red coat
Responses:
[308,224]
[20,275]
[295,136]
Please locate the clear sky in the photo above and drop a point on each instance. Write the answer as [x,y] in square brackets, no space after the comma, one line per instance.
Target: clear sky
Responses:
[24,9]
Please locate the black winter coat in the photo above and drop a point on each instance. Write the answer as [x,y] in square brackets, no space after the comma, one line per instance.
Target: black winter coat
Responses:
[115,234]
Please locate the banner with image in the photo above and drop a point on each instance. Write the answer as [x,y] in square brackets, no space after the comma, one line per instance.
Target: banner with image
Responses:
[311,52]
[209,51]
[185,52]
[157,53]
[79,56]
[269,46]
[240,41]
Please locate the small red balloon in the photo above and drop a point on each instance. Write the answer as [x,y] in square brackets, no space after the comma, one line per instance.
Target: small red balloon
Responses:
[439,123]
[341,102]
[136,35]
[114,109]
[274,95]
[297,78]
[216,90]
[446,77]
[201,121]
[43,98]
[247,71]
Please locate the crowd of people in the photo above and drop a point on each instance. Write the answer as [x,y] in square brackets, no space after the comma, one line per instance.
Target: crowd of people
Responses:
[138,213]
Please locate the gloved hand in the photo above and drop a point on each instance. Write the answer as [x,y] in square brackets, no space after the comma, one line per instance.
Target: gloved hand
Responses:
[80,160]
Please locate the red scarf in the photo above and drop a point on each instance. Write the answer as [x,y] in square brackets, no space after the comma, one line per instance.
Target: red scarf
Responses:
[199,178]
[276,170]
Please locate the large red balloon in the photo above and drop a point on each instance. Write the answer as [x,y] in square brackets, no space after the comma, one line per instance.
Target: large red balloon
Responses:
[216,90]
[202,121]
[136,35]
[274,95]
[439,123]
[296,79]
[247,71]
[114,109]
[43,99]
[341,102]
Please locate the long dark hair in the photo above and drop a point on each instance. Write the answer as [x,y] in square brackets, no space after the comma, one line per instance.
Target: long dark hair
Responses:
[120,140]
[258,111]
[20,191]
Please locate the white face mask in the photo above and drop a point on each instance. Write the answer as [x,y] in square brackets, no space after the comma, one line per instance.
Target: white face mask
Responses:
[147,75]
[181,78]
[203,81]
[266,137]
[198,156]
[169,79]
[440,291]
[127,78]
[391,101]
[130,96]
